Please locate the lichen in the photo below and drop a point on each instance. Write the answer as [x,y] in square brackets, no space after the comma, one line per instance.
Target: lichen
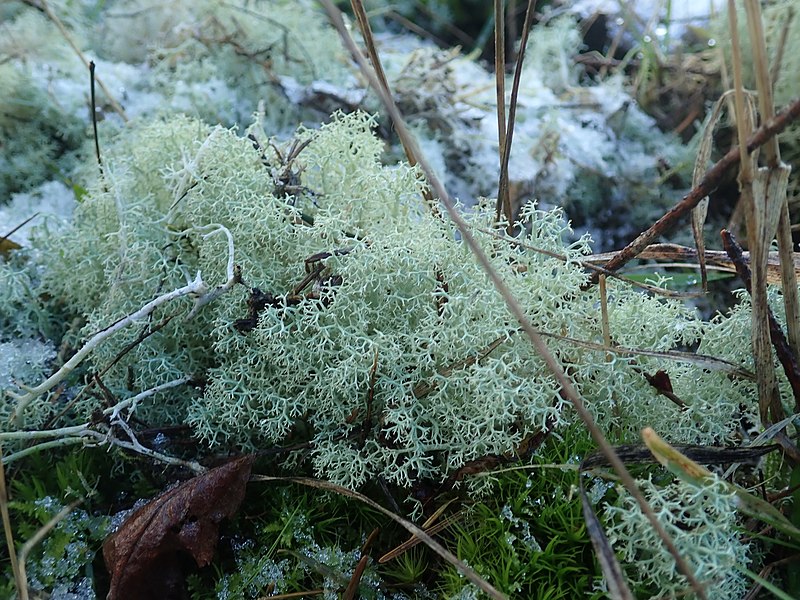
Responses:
[364,343]
[699,520]
[385,344]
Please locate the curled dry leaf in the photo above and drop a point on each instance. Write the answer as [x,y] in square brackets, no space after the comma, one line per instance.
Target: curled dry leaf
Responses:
[147,555]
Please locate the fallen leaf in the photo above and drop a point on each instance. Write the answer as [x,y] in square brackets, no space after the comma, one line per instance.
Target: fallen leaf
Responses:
[6,244]
[148,555]
[660,380]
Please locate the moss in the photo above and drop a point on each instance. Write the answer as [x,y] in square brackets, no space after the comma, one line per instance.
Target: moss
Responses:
[62,562]
[529,537]
[37,135]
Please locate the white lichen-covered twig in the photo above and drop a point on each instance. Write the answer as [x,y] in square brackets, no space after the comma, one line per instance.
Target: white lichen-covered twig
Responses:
[130,403]
[100,434]
[233,273]
[196,288]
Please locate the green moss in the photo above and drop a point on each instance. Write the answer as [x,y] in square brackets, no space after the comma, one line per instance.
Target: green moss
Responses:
[300,540]
[529,538]
[62,562]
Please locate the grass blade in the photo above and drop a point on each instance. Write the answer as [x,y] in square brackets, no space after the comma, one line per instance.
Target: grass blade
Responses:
[612,571]
[691,472]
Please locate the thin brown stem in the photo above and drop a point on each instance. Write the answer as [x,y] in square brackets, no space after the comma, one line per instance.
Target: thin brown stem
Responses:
[503,193]
[567,388]
[62,28]
[709,183]
[502,207]
[12,552]
[412,155]
[782,348]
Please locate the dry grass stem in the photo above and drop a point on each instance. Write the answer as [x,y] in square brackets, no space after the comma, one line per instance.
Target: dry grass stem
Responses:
[503,193]
[12,553]
[782,348]
[567,389]
[68,38]
[761,218]
[369,40]
[775,69]
[35,539]
[417,532]
[503,206]
[776,175]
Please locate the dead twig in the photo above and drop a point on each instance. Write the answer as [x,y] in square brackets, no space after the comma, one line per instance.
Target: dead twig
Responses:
[62,28]
[503,199]
[709,183]
[780,343]
[12,553]
[412,154]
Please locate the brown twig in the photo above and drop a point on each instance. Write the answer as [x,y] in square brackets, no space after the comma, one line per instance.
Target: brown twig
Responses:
[775,69]
[62,28]
[372,51]
[352,587]
[708,184]
[782,349]
[12,552]
[500,87]
[145,333]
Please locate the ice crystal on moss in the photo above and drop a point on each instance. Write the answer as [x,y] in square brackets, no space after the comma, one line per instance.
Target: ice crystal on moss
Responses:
[60,561]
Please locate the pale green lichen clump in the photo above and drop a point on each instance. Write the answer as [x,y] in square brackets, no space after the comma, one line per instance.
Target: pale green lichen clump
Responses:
[398,360]
[700,520]
[374,362]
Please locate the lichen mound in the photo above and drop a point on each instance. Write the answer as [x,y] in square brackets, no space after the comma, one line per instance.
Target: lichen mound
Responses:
[363,329]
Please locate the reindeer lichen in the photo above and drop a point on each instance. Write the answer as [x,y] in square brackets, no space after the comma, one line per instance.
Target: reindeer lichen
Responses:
[363,325]
[700,521]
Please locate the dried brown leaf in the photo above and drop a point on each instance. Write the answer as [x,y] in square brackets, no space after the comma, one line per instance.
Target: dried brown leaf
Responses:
[700,211]
[6,244]
[145,557]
